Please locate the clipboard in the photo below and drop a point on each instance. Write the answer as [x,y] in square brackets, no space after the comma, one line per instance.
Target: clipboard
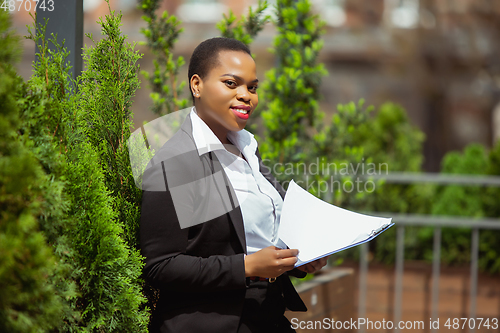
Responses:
[318,229]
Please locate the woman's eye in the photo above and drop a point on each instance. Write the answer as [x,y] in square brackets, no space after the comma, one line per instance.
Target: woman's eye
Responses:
[230,83]
[253,88]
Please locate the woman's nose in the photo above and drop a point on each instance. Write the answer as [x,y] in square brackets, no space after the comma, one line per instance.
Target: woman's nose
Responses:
[243,93]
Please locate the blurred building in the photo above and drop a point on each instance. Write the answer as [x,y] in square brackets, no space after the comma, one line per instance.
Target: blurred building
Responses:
[440,59]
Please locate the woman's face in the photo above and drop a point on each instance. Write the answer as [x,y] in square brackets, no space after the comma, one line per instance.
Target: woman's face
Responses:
[227,96]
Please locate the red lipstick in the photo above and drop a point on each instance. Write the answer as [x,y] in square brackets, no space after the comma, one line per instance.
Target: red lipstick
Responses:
[240,115]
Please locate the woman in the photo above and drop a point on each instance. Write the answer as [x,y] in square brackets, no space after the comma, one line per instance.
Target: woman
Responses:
[211,210]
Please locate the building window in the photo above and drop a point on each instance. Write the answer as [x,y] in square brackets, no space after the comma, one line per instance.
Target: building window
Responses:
[331,11]
[403,13]
[201,11]
[90,5]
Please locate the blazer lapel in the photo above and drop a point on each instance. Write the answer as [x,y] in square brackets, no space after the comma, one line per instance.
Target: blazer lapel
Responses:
[235,212]
[211,160]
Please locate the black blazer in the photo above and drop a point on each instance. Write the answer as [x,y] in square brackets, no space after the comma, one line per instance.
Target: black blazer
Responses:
[200,269]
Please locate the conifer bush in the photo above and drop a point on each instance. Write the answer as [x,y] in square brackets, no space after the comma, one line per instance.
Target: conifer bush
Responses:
[161,34]
[290,93]
[246,28]
[103,119]
[106,91]
[28,299]
[90,215]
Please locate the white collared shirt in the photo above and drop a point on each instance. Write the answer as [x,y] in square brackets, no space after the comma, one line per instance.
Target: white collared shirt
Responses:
[259,201]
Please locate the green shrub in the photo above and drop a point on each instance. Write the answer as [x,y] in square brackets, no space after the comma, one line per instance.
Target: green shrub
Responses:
[472,201]
[161,34]
[357,145]
[290,93]
[80,140]
[247,27]
[29,301]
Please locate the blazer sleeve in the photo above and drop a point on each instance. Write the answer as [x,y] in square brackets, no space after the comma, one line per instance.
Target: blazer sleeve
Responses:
[164,244]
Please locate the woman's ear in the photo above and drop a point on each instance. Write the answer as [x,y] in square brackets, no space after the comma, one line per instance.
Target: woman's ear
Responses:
[196,85]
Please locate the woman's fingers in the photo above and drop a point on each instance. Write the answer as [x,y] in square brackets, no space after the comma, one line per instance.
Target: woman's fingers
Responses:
[287,262]
[315,265]
[286,253]
[305,268]
[324,261]
[270,262]
[319,265]
[287,258]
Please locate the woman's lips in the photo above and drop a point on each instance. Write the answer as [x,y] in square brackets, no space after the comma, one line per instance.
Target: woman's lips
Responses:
[241,115]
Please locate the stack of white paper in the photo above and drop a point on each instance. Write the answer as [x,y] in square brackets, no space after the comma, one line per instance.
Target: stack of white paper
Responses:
[317,228]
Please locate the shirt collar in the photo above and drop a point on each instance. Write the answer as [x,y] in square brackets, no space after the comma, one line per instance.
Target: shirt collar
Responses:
[206,141]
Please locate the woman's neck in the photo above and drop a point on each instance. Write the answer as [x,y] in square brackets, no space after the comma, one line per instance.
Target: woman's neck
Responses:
[219,130]
[221,135]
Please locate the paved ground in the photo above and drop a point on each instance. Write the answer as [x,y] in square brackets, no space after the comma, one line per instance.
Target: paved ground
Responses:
[417,284]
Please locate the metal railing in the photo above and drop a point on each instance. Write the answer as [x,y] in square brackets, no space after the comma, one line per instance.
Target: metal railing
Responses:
[403,220]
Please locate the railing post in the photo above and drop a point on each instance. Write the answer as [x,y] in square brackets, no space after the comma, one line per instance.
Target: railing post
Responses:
[398,286]
[363,272]
[436,262]
[473,275]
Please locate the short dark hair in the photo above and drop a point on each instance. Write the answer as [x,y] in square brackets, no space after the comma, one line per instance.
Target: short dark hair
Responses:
[206,56]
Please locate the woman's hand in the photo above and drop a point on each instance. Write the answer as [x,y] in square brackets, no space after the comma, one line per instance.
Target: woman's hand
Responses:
[314,266]
[270,262]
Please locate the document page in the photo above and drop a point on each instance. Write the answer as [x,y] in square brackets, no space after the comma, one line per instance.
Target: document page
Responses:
[317,228]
